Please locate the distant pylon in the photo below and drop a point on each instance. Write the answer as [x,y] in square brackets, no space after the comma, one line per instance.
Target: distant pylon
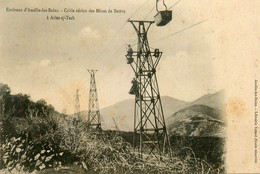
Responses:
[150,134]
[77,105]
[116,127]
[93,109]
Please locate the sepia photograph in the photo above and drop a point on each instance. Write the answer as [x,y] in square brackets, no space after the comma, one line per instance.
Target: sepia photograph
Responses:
[129,87]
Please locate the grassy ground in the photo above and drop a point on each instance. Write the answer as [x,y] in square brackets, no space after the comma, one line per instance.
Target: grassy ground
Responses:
[57,143]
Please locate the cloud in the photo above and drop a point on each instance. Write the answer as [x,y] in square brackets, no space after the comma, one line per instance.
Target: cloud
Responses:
[91,38]
[89,33]
[45,62]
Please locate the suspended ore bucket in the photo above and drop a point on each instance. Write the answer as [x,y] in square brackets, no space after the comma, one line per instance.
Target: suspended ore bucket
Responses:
[163,17]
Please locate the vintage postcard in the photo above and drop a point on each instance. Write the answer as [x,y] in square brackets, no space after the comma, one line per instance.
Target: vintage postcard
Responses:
[129,86]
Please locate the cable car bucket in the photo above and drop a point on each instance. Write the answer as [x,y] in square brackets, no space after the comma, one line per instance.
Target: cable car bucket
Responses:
[162,17]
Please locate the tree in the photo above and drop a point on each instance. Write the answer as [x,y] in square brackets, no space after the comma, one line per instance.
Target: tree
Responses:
[4,93]
[17,105]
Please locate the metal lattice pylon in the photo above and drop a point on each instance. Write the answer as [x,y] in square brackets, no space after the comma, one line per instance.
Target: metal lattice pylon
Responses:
[150,134]
[77,105]
[93,109]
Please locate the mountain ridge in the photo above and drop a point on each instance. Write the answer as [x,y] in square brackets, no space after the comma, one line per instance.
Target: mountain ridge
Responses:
[123,111]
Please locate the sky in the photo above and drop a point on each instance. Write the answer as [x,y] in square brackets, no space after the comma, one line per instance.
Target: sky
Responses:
[49,59]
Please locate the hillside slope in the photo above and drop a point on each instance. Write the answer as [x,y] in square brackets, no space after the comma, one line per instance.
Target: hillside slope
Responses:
[215,100]
[196,120]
